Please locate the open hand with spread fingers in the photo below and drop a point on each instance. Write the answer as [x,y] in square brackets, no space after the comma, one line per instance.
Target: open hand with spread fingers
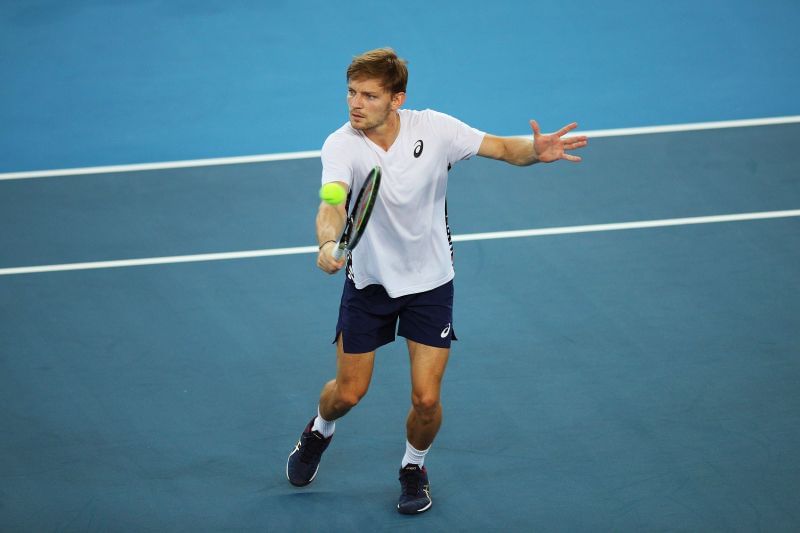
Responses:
[554,146]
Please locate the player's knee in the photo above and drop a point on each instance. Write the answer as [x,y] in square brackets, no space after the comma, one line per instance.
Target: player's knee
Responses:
[348,397]
[425,404]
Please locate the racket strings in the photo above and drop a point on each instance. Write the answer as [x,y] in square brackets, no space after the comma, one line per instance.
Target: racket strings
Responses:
[363,206]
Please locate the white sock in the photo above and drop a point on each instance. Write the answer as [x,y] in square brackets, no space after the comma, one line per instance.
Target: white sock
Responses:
[325,427]
[413,456]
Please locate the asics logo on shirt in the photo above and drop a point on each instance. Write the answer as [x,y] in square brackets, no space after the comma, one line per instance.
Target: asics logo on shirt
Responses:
[418,148]
[445,332]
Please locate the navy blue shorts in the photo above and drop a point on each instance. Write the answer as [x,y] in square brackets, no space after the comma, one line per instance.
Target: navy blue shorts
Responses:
[368,317]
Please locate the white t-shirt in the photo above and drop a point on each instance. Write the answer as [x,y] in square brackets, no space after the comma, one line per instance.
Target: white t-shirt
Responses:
[406,246]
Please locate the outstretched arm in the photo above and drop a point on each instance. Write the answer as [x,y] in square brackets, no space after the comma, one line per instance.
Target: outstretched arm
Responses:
[544,148]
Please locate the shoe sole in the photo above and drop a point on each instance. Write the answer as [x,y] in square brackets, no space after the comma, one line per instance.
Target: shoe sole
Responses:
[430,502]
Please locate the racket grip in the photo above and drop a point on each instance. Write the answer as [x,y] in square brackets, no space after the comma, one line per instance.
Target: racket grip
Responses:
[337,252]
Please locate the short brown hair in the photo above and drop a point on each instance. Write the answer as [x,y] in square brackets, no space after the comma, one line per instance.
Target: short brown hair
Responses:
[382,64]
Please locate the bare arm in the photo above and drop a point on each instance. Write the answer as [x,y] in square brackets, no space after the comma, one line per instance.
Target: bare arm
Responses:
[542,148]
[330,223]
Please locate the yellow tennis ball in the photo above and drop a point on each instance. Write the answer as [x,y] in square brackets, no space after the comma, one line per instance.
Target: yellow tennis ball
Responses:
[332,193]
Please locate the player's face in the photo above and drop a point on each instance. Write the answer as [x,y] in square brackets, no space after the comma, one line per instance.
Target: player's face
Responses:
[370,104]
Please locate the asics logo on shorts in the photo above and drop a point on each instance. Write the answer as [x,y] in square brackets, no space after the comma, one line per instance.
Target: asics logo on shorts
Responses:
[445,332]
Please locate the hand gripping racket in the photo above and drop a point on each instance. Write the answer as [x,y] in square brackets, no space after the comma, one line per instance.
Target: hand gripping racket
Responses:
[359,216]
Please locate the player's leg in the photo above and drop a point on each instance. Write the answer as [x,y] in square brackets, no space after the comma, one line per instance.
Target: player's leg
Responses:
[428,364]
[353,375]
[424,419]
[367,320]
[426,323]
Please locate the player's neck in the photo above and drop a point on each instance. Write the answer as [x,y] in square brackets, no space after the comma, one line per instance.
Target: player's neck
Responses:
[385,134]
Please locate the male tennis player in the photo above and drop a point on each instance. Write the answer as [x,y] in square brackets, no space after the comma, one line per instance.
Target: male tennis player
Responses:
[402,269]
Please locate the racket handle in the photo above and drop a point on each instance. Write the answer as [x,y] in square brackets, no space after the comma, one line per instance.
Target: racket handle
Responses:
[337,252]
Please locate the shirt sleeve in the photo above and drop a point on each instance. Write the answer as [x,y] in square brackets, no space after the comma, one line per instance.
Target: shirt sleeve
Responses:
[336,162]
[464,140]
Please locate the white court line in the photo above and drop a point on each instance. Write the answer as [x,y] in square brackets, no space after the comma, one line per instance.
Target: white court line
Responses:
[458,238]
[159,166]
[697,126]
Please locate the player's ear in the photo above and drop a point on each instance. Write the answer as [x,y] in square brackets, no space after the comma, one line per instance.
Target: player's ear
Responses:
[398,99]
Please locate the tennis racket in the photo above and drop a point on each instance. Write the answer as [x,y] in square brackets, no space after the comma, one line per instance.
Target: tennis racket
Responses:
[359,216]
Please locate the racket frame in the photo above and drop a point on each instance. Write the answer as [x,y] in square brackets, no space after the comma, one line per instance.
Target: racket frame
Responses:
[354,229]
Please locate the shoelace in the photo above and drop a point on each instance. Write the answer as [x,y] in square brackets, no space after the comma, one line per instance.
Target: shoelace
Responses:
[312,450]
[410,480]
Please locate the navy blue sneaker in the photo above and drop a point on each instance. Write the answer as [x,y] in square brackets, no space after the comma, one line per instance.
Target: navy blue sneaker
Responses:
[303,462]
[415,496]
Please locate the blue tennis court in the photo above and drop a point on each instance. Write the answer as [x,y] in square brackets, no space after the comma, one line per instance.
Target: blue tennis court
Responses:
[641,376]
